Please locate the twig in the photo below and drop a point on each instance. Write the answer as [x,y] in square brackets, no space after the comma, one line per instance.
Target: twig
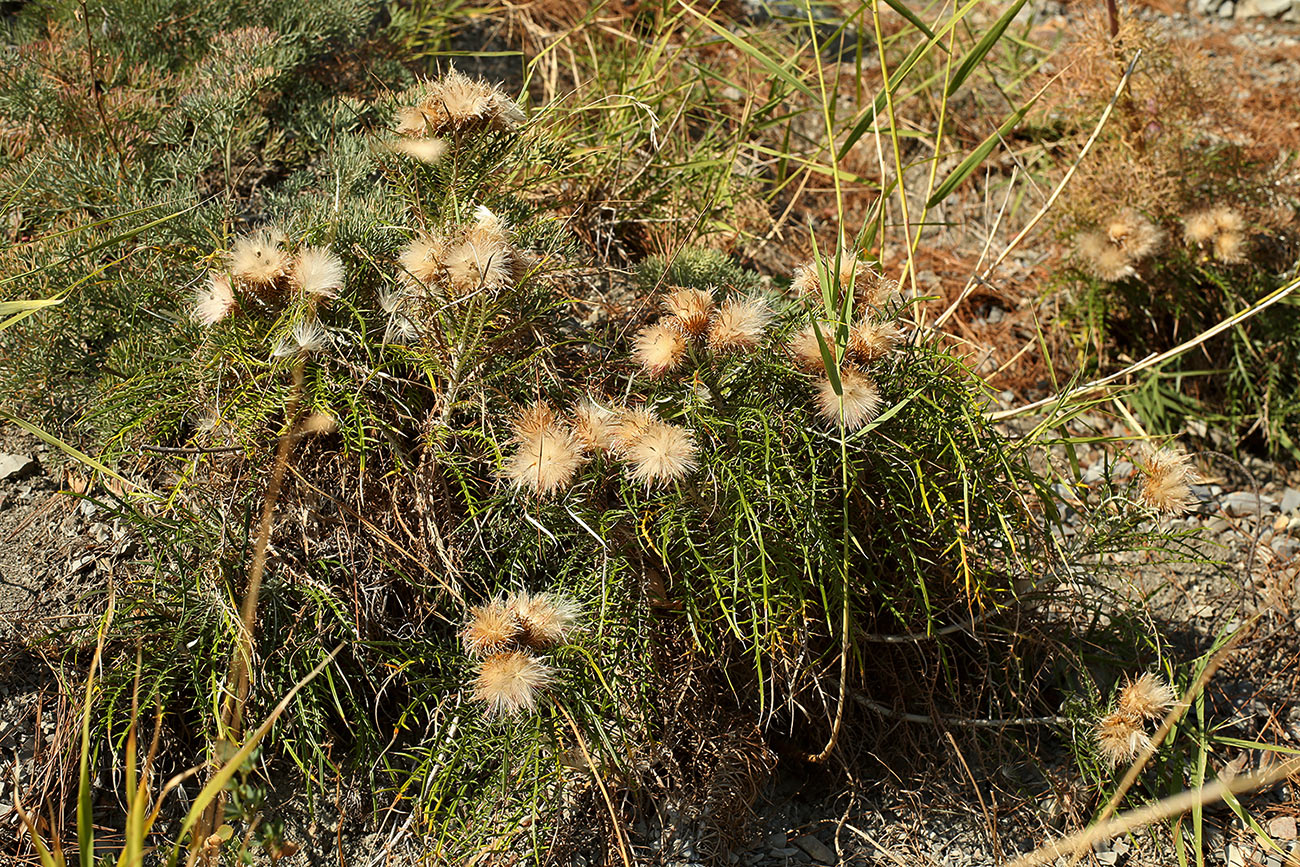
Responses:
[609,802]
[922,719]
[994,840]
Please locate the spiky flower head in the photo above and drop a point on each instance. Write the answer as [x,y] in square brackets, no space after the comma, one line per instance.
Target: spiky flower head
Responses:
[805,350]
[456,102]
[861,403]
[410,120]
[532,421]
[422,258]
[594,426]
[214,300]
[629,425]
[1120,738]
[1199,227]
[1229,247]
[870,340]
[318,272]
[659,348]
[1137,236]
[481,261]
[1226,219]
[491,629]
[739,325]
[1167,476]
[867,284]
[1101,258]
[511,682]
[661,454]
[545,463]
[307,336]
[690,309]
[258,261]
[1147,697]
[545,619]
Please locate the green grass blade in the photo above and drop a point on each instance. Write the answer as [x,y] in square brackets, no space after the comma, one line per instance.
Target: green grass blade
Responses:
[778,70]
[222,777]
[977,156]
[68,449]
[983,47]
[901,8]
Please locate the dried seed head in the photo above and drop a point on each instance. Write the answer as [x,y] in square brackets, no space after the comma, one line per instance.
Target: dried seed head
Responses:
[1199,227]
[422,258]
[214,301]
[861,402]
[739,325]
[532,421]
[1137,236]
[482,261]
[1227,220]
[318,272]
[870,341]
[545,619]
[457,102]
[258,261]
[1229,247]
[661,454]
[691,308]
[545,463]
[491,629]
[1148,697]
[306,337]
[629,425]
[1120,738]
[805,351]
[658,348]
[1102,259]
[594,426]
[1167,475]
[410,121]
[511,682]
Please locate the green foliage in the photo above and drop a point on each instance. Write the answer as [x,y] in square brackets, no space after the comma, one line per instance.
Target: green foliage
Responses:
[136,115]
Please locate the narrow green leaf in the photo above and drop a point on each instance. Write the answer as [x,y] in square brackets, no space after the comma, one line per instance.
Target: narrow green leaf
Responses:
[70,450]
[901,8]
[778,70]
[977,156]
[219,780]
[983,47]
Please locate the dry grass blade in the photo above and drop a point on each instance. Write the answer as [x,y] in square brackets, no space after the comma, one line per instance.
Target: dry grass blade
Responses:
[1174,805]
[1153,359]
[1051,200]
